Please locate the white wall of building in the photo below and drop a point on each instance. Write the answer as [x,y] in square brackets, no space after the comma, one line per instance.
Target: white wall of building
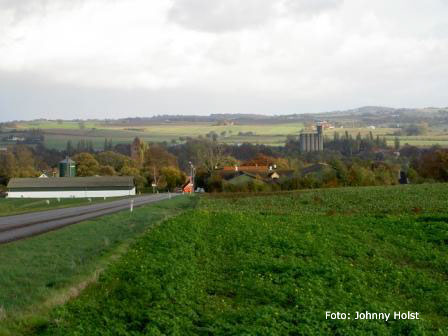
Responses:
[71,194]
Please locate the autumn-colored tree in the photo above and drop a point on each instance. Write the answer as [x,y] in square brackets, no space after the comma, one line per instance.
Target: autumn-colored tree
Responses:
[8,165]
[107,171]
[434,165]
[173,177]
[138,149]
[25,162]
[87,165]
[265,160]
[229,161]
[158,157]
[115,160]
[139,180]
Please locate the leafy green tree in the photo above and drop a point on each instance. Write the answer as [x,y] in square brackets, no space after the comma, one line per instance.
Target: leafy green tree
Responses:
[360,176]
[215,183]
[413,176]
[341,171]
[385,175]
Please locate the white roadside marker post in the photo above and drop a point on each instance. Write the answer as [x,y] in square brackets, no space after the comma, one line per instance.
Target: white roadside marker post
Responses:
[132,205]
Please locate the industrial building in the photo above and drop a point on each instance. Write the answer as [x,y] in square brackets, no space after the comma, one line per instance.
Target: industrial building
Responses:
[71,187]
[67,185]
[312,141]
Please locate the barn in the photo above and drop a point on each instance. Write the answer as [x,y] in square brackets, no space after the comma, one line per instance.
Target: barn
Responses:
[71,187]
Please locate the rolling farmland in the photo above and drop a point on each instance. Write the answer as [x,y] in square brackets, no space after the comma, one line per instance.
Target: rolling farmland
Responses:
[273,264]
[57,134]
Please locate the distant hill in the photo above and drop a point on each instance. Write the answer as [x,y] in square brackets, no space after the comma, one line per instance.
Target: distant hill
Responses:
[367,113]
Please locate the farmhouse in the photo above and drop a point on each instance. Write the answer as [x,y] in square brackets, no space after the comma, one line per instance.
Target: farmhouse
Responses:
[71,187]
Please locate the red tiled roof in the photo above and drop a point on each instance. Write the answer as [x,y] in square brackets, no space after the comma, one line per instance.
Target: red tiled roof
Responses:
[247,168]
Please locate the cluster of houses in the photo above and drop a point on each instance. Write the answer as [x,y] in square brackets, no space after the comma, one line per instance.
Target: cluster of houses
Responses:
[68,185]
[239,175]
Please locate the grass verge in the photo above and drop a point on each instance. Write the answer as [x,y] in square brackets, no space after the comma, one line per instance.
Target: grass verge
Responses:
[40,272]
[17,206]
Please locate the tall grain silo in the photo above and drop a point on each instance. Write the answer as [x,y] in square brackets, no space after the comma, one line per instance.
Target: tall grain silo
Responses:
[67,168]
[302,143]
[308,142]
[312,142]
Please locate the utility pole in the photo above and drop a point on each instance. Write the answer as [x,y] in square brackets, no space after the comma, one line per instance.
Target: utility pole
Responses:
[192,174]
[154,183]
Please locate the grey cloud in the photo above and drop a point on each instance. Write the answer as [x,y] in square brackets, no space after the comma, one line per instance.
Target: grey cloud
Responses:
[234,15]
[221,16]
[25,8]
[311,7]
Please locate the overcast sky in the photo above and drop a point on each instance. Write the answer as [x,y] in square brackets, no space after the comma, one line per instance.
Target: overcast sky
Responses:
[124,58]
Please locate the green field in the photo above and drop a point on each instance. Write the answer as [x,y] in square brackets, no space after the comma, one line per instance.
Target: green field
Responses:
[15,206]
[435,138]
[57,135]
[42,271]
[273,264]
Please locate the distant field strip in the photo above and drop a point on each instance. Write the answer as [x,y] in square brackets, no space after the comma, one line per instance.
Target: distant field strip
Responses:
[57,135]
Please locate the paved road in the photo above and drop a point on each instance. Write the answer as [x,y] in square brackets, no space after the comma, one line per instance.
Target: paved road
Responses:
[30,224]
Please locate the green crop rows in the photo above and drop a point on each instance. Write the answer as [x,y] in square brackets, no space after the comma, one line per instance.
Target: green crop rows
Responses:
[274,264]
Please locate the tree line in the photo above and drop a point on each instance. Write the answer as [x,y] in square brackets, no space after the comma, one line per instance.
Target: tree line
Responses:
[346,161]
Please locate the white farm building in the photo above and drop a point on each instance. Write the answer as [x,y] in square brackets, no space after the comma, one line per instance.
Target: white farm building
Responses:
[71,187]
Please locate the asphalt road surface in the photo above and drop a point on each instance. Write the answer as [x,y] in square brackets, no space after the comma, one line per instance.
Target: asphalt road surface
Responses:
[31,224]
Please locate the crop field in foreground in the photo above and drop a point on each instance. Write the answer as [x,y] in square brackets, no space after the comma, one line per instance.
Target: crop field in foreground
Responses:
[273,264]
